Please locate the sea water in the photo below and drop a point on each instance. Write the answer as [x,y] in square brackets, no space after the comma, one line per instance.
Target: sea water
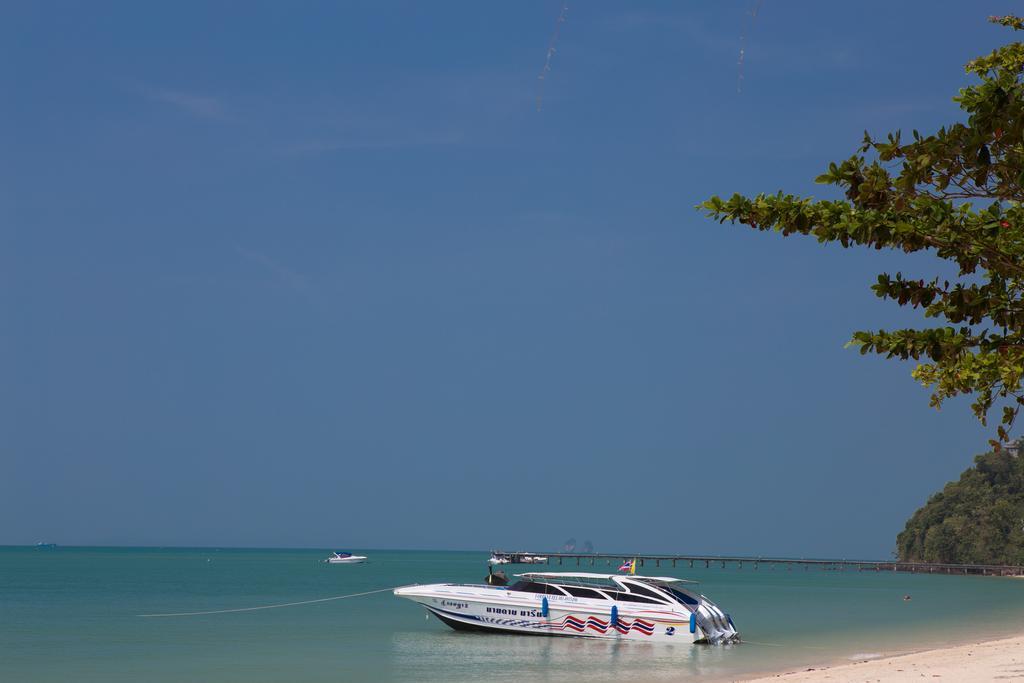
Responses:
[72,614]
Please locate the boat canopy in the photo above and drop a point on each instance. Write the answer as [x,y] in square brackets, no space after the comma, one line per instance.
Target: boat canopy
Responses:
[554,576]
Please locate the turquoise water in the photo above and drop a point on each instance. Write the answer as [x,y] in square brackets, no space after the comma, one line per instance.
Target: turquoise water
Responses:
[70,614]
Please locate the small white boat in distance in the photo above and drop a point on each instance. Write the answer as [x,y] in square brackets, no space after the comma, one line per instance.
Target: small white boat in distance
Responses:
[495,559]
[345,558]
[610,606]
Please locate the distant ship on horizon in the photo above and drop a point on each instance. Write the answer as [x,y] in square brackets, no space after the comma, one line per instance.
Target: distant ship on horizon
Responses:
[570,546]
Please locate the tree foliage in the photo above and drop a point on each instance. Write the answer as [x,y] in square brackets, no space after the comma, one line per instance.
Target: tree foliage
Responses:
[976,520]
[956,193]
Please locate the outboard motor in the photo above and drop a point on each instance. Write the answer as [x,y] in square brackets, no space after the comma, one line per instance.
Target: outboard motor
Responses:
[715,625]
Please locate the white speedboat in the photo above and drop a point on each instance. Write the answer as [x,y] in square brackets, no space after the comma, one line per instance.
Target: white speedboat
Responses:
[345,558]
[630,607]
[498,559]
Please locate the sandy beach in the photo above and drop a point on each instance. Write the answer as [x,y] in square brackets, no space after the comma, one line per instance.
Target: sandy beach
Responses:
[985,661]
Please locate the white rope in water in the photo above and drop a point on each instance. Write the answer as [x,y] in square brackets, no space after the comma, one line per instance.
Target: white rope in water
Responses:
[251,609]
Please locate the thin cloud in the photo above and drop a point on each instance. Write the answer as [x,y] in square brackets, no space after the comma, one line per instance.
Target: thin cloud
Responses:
[281,274]
[425,112]
[761,48]
[203,106]
[327,145]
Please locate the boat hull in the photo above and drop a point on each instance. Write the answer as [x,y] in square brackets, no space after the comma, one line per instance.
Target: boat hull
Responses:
[574,624]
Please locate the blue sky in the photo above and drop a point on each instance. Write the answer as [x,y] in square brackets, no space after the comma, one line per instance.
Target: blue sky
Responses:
[323,275]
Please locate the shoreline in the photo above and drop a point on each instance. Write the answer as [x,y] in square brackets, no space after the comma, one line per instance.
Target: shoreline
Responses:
[977,661]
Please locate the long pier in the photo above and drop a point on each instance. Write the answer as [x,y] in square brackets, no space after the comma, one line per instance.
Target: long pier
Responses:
[754,563]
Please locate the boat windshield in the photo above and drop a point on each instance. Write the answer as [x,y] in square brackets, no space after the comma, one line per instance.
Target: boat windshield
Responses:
[682,596]
[591,587]
[535,587]
[599,582]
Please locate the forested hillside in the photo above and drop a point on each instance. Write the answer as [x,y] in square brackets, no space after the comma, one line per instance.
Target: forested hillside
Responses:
[978,519]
